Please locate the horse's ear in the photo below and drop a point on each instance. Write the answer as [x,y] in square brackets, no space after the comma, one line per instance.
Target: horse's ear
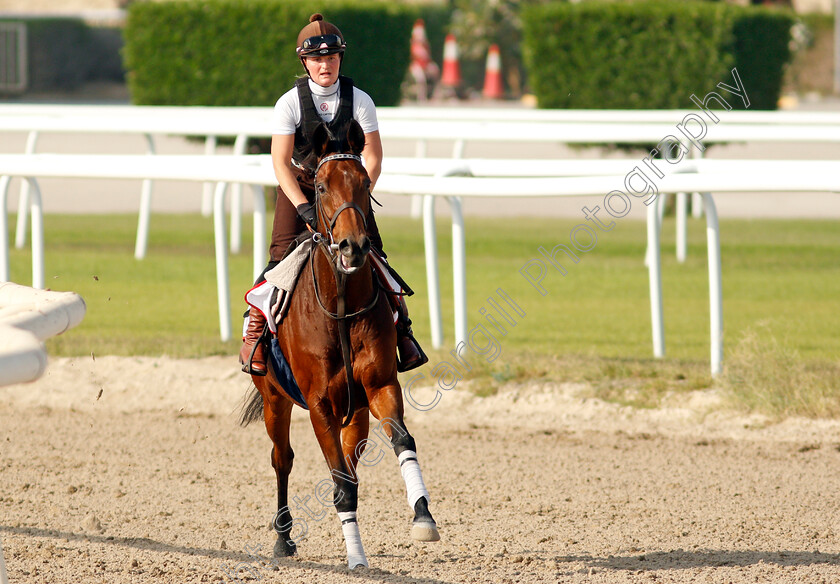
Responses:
[320,140]
[355,137]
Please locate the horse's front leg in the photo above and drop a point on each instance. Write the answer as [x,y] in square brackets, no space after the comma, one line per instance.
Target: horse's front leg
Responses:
[327,426]
[386,404]
[277,412]
[353,437]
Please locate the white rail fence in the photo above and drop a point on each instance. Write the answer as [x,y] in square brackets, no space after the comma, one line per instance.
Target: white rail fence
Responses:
[420,125]
[431,178]
[28,317]
[746,176]
[147,123]
[594,177]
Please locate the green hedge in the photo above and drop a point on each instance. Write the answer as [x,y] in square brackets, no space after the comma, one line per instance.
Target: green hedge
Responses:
[242,52]
[650,55]
[762,52]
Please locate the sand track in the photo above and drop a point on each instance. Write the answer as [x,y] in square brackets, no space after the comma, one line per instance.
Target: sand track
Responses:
[154,482]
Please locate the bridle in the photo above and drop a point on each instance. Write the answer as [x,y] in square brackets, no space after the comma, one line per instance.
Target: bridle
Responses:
[340,283]
[329,248]
[330,223]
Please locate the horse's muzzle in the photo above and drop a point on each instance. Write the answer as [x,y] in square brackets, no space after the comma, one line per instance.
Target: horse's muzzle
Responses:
[352,254]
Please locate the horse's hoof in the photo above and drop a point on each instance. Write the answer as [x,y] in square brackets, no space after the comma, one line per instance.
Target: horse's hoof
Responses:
[284,549]
[356,562]
[424,531]
[423,528]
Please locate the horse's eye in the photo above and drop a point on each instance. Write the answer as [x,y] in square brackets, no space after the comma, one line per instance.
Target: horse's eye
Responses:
[367,184]
[320,188]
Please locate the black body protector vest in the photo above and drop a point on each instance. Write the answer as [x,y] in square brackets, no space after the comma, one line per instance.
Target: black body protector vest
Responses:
[309,120]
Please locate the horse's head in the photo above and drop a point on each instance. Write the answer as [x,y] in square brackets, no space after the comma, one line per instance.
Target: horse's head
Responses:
[342,194]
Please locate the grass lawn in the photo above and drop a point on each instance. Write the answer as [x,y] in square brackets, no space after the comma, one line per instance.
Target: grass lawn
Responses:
[781,290]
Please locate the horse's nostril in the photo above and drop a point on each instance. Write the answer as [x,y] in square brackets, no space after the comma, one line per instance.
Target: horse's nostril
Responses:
[365,246]
[345,247]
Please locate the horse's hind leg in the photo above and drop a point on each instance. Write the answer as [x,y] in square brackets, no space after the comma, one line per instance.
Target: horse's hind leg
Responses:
[386,404]
[278,413]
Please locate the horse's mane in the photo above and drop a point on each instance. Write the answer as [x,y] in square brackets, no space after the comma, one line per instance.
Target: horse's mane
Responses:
[338,142]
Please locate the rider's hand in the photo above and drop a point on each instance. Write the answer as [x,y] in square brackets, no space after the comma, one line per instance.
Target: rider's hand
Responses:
[307,213]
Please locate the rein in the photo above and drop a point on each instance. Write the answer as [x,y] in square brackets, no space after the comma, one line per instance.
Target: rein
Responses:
[340,316]
[340,282]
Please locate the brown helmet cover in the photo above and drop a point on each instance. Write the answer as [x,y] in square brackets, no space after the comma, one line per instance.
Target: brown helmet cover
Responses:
[317,27]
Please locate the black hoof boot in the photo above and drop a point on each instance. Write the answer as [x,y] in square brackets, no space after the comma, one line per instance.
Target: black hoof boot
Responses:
[283,548]
[423,528]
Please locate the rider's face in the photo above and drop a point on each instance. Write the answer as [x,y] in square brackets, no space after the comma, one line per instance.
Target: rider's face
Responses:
[323,70]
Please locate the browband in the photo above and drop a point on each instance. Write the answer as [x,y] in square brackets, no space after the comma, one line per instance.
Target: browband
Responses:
[337,157]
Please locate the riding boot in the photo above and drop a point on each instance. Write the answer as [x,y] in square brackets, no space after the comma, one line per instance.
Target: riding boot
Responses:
[410,354]
[252,354]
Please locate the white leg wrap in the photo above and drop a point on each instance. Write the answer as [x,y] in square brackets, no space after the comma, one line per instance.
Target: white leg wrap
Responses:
[353,540]
[415,488]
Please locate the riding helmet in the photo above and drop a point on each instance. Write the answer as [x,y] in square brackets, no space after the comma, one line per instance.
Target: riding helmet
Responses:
[319,37]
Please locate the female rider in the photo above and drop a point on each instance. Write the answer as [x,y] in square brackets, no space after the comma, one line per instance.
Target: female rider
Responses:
[322,96]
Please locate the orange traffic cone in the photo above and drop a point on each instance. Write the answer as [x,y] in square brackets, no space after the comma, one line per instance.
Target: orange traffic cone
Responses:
[421,67]
[451,69]
[421,53]
[493,74]
[419,42]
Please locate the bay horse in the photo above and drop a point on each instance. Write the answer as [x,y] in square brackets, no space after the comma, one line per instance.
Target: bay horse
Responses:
[342,297]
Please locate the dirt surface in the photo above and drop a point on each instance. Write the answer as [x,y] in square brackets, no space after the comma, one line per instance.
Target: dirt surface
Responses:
[135,470]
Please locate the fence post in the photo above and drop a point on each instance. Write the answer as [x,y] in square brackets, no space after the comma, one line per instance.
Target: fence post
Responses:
[259,230]
[681,211]
[145,208]
[207,188]
[222,281]
[459,270]
[37,214]
[715,284]
[23,199]
[655,278]
[432,278]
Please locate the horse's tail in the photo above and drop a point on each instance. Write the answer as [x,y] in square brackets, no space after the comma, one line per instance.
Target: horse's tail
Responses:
[252,407]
